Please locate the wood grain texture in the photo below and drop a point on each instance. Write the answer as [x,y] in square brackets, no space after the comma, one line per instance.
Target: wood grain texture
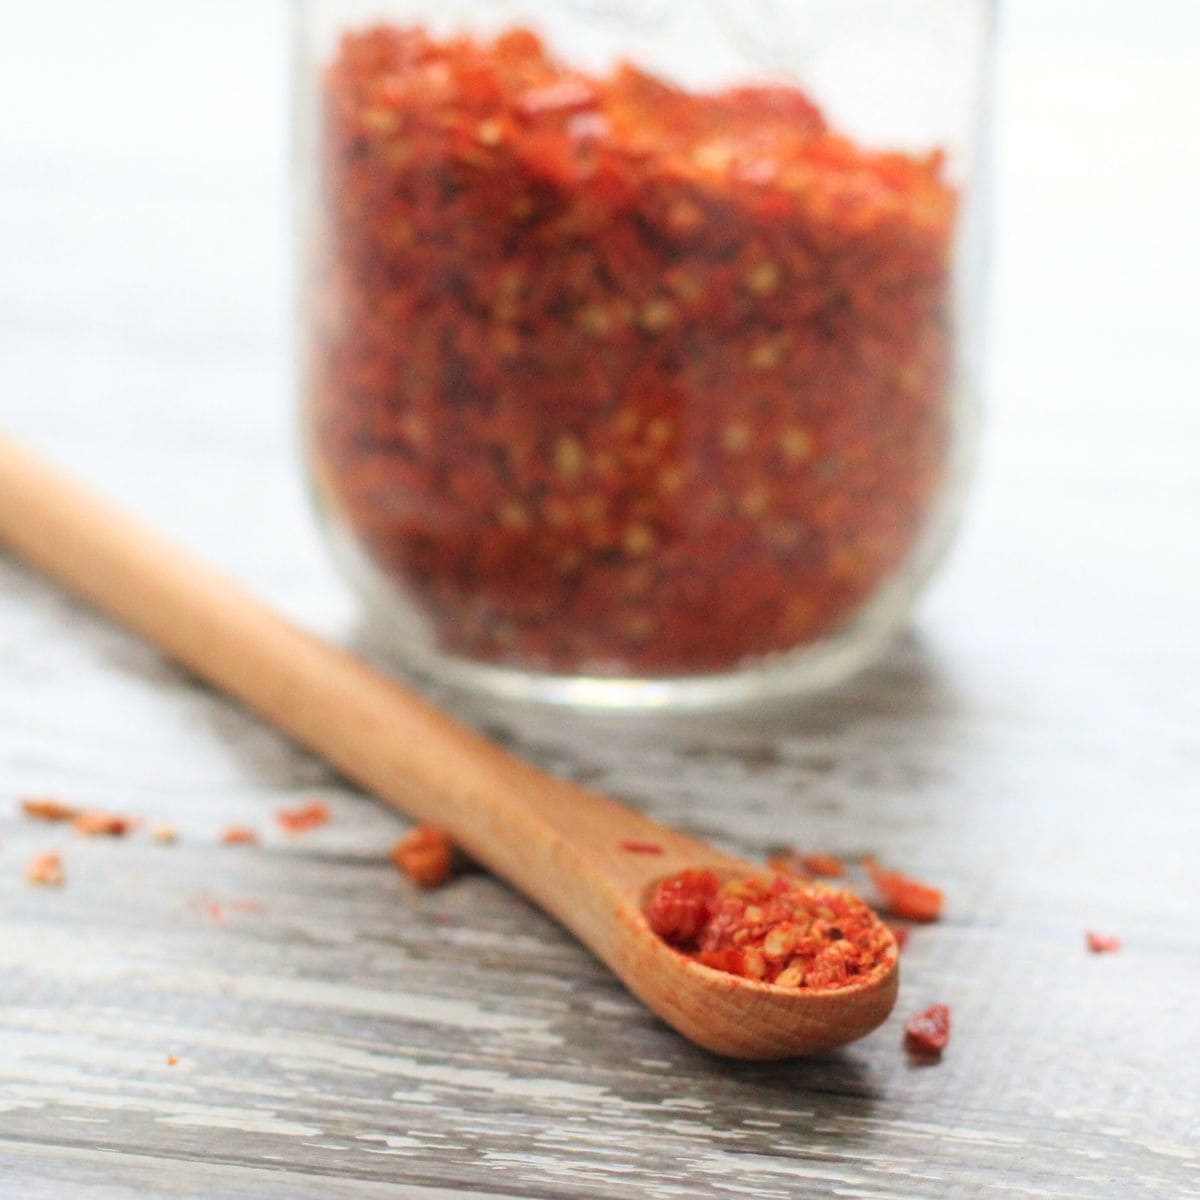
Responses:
[1032,747]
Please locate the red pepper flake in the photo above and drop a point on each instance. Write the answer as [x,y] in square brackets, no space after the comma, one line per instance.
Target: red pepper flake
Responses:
[102,824]
[305,817]
[905,897]
[788,864]
[171,1060]
[806,866]
[634,847]
[928,1032]
[776,929]
[426,856]
[611,376]
[563,95]
[681,907]
[166,834]
[47,808]
[45,870]
[239,835]
[828,865]
[1100,943]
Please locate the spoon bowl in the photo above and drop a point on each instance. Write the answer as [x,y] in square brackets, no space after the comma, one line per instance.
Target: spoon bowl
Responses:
[744,1018]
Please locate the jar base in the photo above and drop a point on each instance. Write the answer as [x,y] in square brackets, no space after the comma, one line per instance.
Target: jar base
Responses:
[396,627]
[788,675]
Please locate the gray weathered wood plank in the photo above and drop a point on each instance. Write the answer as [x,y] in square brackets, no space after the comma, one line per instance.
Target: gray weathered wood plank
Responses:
[1032,747]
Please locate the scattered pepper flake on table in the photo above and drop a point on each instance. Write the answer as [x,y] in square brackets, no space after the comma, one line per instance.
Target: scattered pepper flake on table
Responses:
[808,865]
[776,929]
[903,896]
[928,1032]
[303,818]
[94,823]
[166,834]
[1100,943]
[47,808]
[45,870]
[613,377]
[171,1060]
[425,856]
[239,835]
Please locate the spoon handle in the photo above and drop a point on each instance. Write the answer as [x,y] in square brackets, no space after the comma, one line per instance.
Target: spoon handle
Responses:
[564,847]
[552,840]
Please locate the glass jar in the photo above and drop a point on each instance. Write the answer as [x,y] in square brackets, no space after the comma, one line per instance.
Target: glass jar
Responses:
[638,337]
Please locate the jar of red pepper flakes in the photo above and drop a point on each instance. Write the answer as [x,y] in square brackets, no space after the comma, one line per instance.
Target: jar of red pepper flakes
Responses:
[638,339]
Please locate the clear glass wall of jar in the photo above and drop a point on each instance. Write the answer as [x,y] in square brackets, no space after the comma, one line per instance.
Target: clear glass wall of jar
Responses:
[638,338]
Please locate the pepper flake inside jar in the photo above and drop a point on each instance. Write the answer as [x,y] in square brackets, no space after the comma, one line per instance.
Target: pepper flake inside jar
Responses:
[532,283]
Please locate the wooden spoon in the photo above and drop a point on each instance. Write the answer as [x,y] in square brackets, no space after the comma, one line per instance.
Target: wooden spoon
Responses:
[554,841]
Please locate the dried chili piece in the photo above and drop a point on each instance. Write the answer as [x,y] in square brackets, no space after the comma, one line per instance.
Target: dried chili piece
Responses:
[94,823]
[635,847]
[777,929]
[239,835]
[727,958]
[827,865]
[808,865]
[681,907]
[788,864]
[307,816]
[1100,943]
[47,808]
[928,1032]
[425,856]
[904,896]
[609,376]
[45,870]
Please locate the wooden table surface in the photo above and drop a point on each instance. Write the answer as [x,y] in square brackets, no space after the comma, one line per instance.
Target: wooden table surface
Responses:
[1032,747]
